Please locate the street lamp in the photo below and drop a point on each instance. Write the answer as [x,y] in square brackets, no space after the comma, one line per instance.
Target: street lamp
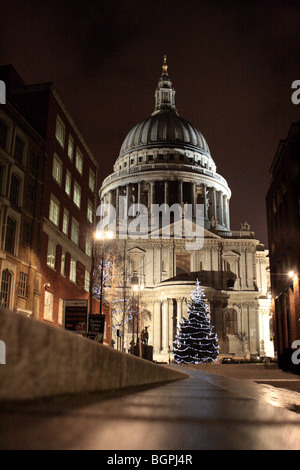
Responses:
[138,286]
[103,236]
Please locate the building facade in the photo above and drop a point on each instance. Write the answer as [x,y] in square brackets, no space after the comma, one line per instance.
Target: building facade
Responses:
[22,166]
[283,210]
[165,160]
[68,202]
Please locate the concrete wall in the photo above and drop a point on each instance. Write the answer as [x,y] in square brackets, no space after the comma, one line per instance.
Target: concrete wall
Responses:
[45,361]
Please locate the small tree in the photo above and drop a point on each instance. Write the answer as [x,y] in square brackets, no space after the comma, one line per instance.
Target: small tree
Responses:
[196,341]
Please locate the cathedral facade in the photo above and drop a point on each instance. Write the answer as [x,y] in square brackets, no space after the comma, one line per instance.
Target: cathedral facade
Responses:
[166,160]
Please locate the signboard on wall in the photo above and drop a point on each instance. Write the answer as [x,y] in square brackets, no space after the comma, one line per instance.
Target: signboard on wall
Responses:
[96,327]
[76,313]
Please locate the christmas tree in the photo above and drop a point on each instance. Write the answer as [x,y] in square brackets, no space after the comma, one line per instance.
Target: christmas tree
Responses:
[196,341]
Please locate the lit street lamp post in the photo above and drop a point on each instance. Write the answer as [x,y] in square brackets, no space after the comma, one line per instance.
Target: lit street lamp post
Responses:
[139,286]
[103,236]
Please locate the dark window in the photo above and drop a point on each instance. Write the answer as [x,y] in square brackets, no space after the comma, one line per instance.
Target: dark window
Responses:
[1,179]
[10,235]
[19,149]
[3,134]
[34,161]
[14,190]
[30,191]
[27,227]
[5,288]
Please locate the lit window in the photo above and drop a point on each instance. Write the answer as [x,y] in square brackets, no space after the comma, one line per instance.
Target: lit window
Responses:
[73,270]
[79,161]
[48,306]
[19,149]
[65,226]
[68,183]
[60,131]
[90,211]
[51,254]
[87,280]
[92,180]
[54,211]
[57,170]
[5,293]
[22,286]
[77,195]
[75,231]
[70,147]
[63,263]
[88,247]
[60,311]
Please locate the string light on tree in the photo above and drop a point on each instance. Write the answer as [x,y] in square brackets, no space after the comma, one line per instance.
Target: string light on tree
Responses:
[196,341]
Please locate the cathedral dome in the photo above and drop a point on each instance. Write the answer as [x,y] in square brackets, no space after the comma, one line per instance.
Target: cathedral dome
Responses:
[165,159]
[165,128]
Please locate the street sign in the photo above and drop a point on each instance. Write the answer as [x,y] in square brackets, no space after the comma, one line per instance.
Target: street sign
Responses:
[76,316]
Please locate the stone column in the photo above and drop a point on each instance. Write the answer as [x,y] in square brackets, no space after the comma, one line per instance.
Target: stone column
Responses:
[221,209]
[180,191]
[166,192]
[152,192]
[156,326]
[165,335]
[170,317]
[214,208]
[179,312]
[127,200]
[117,202]
[204,200]
[139,195]
[193,189]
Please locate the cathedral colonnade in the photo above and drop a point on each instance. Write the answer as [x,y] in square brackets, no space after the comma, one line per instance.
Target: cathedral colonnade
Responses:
[215,202]
[167,315]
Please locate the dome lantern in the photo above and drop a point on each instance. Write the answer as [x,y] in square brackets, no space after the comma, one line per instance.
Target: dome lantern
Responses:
[164,93]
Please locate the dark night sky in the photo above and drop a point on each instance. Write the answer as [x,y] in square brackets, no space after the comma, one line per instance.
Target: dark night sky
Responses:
[232,64]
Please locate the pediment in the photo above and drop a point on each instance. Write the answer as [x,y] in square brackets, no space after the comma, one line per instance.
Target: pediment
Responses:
[231,254]
[189,227]
[136,250]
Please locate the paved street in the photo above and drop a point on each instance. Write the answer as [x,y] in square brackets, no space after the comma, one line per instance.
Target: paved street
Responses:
[217,407]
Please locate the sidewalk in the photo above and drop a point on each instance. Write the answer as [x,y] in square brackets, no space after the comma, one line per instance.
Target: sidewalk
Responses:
[204,411]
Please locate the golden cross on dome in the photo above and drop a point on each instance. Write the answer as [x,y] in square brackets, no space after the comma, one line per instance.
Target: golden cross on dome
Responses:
[165,67]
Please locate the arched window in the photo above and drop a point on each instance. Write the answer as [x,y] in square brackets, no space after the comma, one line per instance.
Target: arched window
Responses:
[14,190]
[5,288]
[3,134]
[10,235]
[231,322]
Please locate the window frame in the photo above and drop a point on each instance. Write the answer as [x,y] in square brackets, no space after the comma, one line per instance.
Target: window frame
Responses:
[60,139]
[79,158]
[54,202]
[51,253]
